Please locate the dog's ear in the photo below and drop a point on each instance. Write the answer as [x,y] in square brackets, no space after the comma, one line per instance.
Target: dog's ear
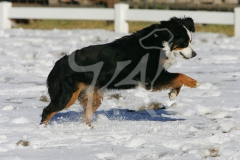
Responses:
[186,21]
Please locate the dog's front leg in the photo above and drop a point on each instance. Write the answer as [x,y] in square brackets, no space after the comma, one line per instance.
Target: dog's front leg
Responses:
[174,82]
[182,79]
[178,82]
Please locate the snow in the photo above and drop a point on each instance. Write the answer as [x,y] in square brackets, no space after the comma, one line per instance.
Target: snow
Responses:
[7,107]
[200,123]
[20,120]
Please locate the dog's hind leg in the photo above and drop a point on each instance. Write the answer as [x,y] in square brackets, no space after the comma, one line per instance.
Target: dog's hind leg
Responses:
[64,99]
[91,100]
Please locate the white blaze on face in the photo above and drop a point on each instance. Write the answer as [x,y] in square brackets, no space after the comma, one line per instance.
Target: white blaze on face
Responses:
[189,34]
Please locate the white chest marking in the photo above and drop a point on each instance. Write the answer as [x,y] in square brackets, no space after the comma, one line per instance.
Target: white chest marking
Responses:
[171,56]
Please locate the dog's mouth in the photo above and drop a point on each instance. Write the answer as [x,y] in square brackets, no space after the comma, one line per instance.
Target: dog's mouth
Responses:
[183,56]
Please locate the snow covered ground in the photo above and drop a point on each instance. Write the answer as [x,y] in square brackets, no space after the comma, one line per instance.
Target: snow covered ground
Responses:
[200,123]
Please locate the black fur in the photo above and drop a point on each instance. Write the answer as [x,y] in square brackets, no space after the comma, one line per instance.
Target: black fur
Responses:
[186,21]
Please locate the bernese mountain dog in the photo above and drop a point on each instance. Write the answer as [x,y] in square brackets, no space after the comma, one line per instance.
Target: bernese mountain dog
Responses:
[141,58]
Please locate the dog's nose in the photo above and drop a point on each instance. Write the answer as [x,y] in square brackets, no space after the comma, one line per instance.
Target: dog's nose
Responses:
[194,54]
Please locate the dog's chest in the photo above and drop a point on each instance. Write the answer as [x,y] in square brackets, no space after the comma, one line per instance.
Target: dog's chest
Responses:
[170,56]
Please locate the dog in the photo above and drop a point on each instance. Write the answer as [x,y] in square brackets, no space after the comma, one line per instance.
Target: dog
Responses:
[141,58]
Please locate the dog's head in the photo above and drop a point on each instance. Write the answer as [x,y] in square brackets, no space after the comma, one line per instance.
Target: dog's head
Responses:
[182,36]
[173,36]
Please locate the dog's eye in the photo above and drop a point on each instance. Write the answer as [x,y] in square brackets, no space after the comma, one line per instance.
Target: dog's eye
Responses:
[183,45]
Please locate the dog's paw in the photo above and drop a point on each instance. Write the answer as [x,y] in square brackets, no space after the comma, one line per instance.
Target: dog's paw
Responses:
[197,84]
[173,94]
[192,84]
[90,125]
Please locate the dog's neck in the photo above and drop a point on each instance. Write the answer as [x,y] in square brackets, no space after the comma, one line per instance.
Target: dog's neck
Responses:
[171,57]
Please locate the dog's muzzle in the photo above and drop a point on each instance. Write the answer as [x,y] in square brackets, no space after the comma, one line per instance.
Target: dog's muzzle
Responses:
[193,54]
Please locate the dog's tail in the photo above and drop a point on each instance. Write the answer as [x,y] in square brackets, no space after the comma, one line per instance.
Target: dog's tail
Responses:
[55,76]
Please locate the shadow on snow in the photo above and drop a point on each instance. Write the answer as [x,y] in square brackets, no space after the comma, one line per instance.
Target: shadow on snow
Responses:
[118,114]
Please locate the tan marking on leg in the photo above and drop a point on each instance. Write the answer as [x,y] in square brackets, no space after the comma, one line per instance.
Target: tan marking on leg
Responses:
[177,83]
[75,95]
[187,81]
[49,117]
[90,101]
[184,80]
[97,101]
[88,115]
